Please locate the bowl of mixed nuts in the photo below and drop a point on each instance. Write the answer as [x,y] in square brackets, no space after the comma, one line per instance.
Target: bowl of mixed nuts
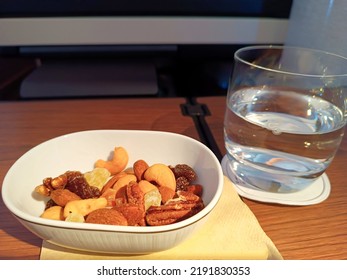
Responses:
[114,191]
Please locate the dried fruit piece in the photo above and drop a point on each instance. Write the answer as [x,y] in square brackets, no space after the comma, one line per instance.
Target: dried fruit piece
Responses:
[107,216]
[181,183]
[184,170]
[97,177]
[77,184]
[50,203]
[152,198]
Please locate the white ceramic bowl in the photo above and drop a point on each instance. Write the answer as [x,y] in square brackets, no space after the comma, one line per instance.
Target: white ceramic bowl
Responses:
[79,151]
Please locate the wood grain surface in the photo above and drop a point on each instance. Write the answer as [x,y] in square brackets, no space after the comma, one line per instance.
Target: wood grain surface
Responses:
[299,232]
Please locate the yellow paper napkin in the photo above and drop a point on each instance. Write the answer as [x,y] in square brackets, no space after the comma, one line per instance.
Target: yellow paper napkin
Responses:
[231,232]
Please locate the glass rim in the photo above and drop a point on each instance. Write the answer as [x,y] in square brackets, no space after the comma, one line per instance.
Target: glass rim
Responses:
[283,47]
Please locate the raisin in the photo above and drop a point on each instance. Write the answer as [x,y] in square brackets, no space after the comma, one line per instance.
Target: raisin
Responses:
[77,184]
[50,203]
[182,183]
[184,170]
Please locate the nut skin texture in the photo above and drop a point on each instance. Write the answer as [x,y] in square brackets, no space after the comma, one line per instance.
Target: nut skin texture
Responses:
[62,196]
[195,189]
[134,194]
[134,214]
[139,167]
[172,212]
[162,175]
[175,210]
[118,163]
[107,216]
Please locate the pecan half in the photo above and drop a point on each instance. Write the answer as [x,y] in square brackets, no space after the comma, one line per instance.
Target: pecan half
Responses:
[172,212]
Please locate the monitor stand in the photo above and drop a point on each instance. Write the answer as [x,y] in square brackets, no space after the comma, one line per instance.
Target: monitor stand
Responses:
[85,78]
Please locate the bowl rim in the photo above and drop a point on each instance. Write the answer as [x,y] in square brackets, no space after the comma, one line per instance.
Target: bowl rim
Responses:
[23,216]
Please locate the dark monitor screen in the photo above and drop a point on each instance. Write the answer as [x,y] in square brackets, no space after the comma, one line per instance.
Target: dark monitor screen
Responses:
[117,22]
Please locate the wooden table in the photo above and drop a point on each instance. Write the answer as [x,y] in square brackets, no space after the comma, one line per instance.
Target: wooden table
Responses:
[299,232]
[309,232]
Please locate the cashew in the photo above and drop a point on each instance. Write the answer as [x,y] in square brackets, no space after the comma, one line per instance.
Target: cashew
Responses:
[110,195]
[152,198]
[109,184]
[161,174]
[75,217]
[53,213]
[117,164]
[123,181]
[85,206]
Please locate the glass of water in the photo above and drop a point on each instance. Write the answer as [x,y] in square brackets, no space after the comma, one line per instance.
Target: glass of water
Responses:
[285,116]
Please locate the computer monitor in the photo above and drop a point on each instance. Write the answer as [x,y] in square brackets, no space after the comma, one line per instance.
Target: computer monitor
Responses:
[76,27]
[147,22]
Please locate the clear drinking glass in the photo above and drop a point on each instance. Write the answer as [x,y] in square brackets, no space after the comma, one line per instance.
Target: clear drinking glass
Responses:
[285,116]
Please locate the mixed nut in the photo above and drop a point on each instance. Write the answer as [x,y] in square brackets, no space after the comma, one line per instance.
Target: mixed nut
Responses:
[144,195]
